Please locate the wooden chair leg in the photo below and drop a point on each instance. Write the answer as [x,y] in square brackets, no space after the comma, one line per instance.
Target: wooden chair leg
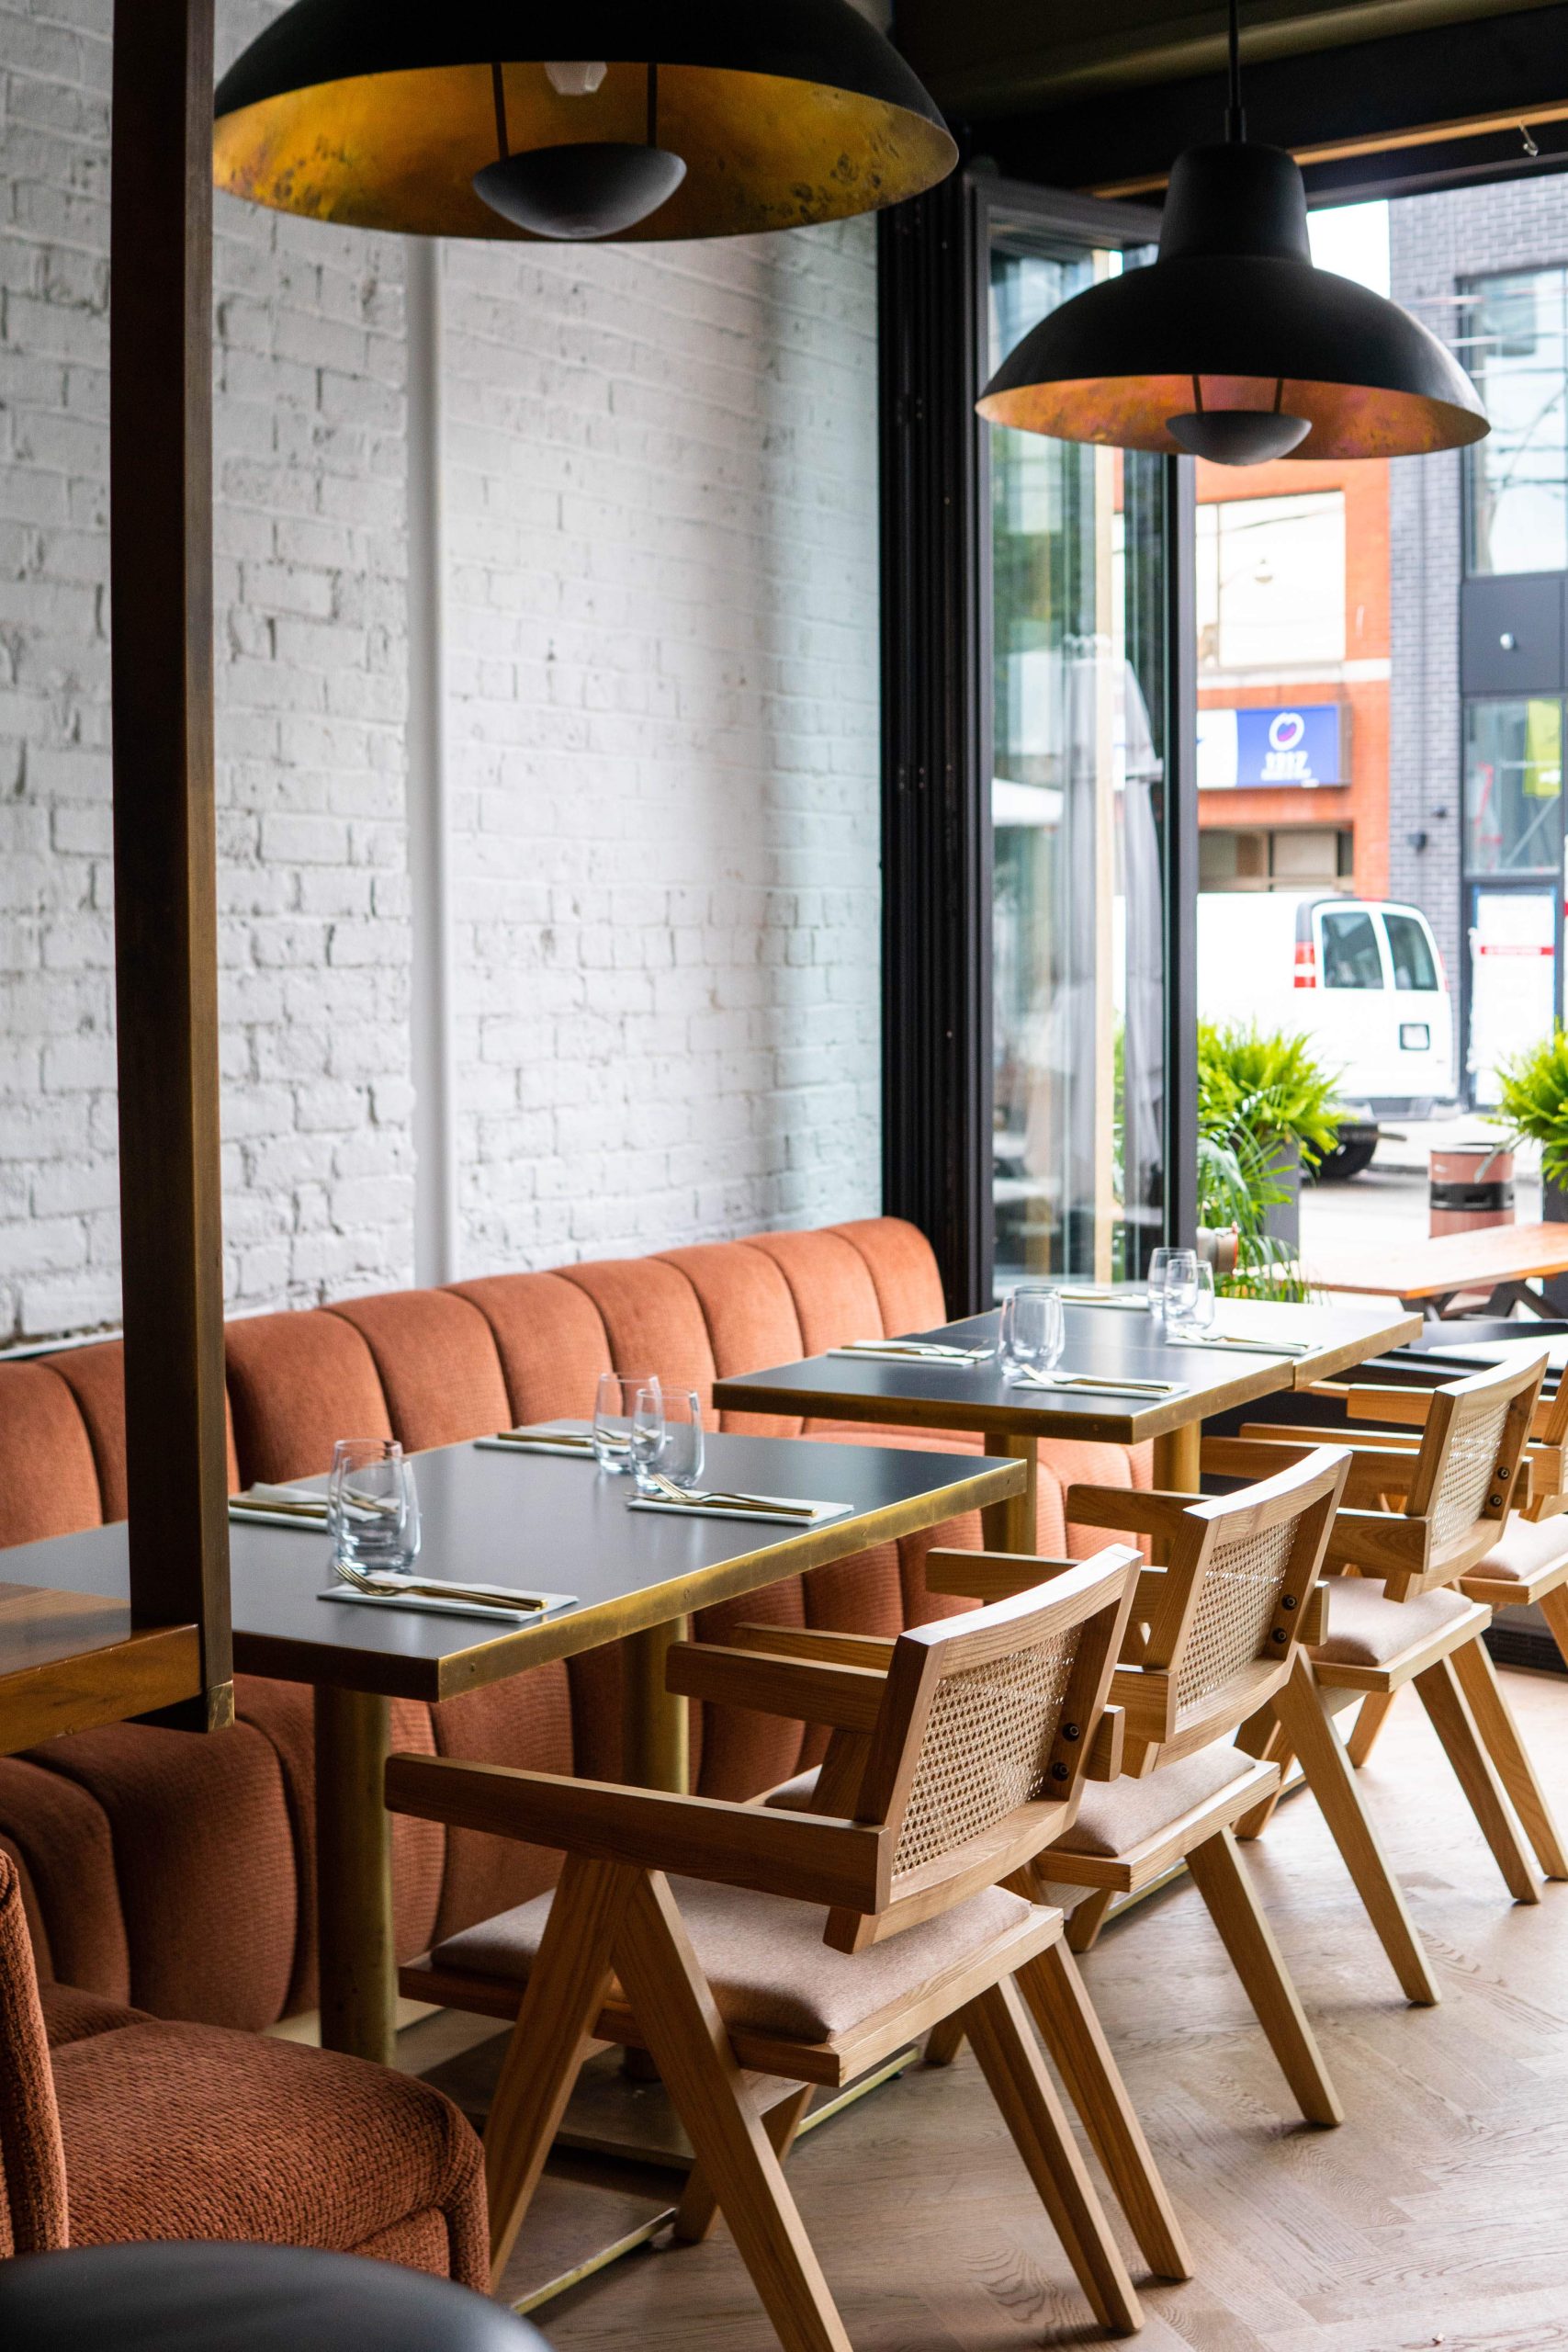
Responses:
[567,1988]
[1075,2039]
[997,2024]
[1445,1702]
[1222,1880]
[944,2042]
[1371,1717]
[675,2012]
[1263,1736]
[1086,1919]
[1500,1737]
[1554,1607]
[1328,1767]
[698,2208]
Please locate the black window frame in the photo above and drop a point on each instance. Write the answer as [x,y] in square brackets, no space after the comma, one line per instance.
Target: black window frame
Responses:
[937,725]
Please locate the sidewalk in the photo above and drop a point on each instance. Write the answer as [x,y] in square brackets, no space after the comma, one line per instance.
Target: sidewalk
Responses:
[1390,1200]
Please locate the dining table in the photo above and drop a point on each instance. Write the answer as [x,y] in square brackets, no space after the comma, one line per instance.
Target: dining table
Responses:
[1141,1381]
[532,1522]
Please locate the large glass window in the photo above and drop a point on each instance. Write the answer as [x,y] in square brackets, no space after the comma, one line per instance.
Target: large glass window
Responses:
[1513,787]
[1514,346]
[1077,695]
[1271,581]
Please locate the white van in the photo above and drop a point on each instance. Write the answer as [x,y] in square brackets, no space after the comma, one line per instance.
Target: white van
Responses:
[1361,978]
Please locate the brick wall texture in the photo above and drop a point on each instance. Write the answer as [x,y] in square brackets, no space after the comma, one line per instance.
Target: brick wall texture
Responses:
[660,475]
[1437,245]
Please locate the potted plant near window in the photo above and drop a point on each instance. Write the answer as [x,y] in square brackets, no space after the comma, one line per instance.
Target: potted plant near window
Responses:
[1265,1107]
[1533,1102]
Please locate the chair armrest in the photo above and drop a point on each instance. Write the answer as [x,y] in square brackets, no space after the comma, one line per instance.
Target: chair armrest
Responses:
[822,1643]
[1147,1511]
[1302,1434]
[808,1857]
[1383,1542]
[847,1697]
[1313,1627]
[1252,1457]
[1408,1407]
[990,1576]
[1107,1748]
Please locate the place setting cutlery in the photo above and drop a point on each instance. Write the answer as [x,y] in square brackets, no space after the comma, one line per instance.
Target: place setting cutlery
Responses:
[571,1439]
[932,1352]
[441,1596]
[1087,1384]
[261,1505]
[658,1493]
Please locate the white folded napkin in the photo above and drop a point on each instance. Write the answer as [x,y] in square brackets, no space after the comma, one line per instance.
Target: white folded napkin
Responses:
[1088,1383]
[1234,1345]
[780,1510]
[913,1351]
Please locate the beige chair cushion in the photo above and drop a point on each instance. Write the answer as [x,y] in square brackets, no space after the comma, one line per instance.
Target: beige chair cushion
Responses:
[1117,1815]
[765,1959]
[1528,1548]
[1367,1629]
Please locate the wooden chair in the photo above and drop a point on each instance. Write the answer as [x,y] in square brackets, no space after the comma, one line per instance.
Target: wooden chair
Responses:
[953,1769]
[1211,1638]
[1424,1513]
[1528,1565]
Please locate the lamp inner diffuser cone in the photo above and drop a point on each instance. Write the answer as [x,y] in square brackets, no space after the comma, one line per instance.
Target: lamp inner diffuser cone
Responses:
[594,187]
[1238,436]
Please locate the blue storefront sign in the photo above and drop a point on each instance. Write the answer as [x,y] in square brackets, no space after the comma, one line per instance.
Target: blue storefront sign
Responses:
[1270,747]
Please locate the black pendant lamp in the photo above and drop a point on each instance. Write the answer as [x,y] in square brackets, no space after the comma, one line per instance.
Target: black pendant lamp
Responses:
[1232,345]
[679,119]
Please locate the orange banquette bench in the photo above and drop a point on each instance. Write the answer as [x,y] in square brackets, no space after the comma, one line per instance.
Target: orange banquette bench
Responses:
[176,1874]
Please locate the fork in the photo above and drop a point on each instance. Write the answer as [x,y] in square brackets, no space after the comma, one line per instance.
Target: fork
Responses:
[674,1494]
[384,1587]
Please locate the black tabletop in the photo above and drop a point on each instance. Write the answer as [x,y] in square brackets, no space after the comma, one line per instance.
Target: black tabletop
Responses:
[1106,1341]
[526,1521]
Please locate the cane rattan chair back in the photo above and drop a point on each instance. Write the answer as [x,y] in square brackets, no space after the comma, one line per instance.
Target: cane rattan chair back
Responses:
[1214,1630]
[987,1725]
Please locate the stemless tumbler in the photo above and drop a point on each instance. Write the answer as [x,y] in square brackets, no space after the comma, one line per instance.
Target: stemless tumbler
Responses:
[615,1413]
[372,1504]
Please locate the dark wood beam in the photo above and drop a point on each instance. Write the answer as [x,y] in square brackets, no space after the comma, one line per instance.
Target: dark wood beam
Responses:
[997,57]
[1426,108]
[165,849]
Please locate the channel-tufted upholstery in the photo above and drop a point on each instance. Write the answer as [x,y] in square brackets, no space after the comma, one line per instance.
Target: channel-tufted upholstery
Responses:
[130,1840]
[115,2126]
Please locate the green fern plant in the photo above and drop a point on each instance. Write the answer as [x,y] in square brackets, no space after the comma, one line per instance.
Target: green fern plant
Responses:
[1256,1092]
[1533,1102]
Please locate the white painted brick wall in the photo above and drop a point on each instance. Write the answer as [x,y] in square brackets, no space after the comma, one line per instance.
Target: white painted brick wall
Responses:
[661,493]
[660,479]
[311,658]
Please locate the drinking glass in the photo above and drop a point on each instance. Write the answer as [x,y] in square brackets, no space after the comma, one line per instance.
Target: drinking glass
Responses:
[615,1412]
[681,1454]
[1173,1282]
[1200,1316]
[647,1435]
[372,1504]
[1033,1330]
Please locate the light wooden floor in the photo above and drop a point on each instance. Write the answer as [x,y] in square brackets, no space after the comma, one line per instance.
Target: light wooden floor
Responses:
[1436,2214]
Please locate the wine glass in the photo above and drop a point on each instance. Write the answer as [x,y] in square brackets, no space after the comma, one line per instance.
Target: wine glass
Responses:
[1173,1282]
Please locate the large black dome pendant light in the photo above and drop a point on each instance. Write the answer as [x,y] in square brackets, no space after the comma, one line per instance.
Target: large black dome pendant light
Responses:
[694,118]
[1232,345]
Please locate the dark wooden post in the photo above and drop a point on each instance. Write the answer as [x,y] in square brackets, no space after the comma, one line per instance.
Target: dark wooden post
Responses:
[166,910]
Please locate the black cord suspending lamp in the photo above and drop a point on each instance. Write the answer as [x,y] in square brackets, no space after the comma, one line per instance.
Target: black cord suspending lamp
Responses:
[678,118]
[1232,345]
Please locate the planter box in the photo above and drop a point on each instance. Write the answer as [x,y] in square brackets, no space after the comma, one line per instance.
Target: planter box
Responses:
[1283,1220]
